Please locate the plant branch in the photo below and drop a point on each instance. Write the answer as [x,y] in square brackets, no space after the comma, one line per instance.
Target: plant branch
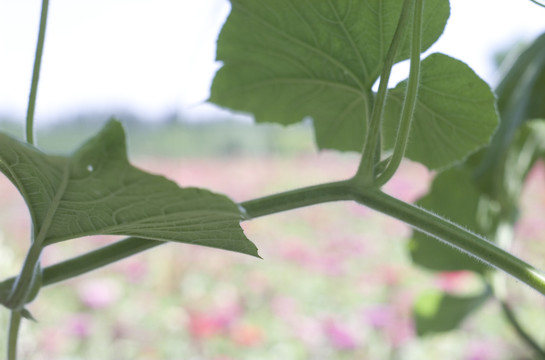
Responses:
[36,74]
[409,102]
[418,218]
[523,335]
[454,235]
[96,259]
[366,170]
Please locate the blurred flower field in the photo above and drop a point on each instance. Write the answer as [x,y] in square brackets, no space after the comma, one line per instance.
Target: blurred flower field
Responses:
[335,281]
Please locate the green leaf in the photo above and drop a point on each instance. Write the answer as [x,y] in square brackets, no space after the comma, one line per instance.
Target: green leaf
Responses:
[435,311]
[454,196]
[520,98]
[287,60]
[455,113]
[97,191]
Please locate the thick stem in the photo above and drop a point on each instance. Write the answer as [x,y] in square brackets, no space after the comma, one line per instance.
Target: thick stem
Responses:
[420,219]
[366,171]
[96,259]
[335,191]
[36,74]
[453,235]
[409,102]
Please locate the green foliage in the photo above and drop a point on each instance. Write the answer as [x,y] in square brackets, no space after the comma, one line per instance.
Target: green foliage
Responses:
[284,61]
[455,196]
[438,312]
[455,113]
[482,194]
[97,191]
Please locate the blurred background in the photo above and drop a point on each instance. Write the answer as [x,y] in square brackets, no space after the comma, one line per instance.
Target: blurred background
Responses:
[336,281]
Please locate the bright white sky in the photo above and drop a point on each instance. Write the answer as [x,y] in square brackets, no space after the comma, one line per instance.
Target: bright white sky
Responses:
[157,56]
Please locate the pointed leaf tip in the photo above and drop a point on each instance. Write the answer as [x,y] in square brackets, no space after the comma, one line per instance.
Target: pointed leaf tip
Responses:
[97,191]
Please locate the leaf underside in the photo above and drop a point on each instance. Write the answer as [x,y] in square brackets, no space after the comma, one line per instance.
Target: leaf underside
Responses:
[97,191]
[284,61]
[435,311]
[455,113]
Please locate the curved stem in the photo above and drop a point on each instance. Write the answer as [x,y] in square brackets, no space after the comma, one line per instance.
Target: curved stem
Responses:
[36,74]
[23,285]
[538,3]
[14,324]
[366,171]
[454,235]
[96,259]
[416,217]
[409,102]
[334,191]
[523,335]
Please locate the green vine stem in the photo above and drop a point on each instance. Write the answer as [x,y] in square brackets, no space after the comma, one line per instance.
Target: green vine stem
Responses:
[14,324]
[36,74]
[418,218]
[24,284]
[454,235]
[366,170]
[409,102]
[538,3]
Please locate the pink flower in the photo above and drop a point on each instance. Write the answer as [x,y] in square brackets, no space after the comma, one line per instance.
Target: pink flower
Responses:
[79,325]
[452,281]
[339,335]
[216,321]
[99,293]
[482,351]
[134,269]
[247,335]
[392,320]
[379,316]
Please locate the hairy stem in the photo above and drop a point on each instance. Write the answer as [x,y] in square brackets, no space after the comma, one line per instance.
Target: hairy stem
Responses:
[454,235]
[366,170]
[418,218]
[409,103]
[36,74]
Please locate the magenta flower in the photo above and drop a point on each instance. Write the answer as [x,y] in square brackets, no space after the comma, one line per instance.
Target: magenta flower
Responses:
[79,325]
[339,335]
[204,325]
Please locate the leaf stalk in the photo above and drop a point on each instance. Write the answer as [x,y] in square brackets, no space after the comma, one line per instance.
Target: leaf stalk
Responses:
[36,73]
[371,151]
[409,102]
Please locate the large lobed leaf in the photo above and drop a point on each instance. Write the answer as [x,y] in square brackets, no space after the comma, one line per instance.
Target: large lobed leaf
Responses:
[97,191]
[521,97]
[455,113]
[286,60]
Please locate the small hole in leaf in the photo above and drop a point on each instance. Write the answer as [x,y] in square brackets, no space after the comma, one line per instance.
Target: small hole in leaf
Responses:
[90,168]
